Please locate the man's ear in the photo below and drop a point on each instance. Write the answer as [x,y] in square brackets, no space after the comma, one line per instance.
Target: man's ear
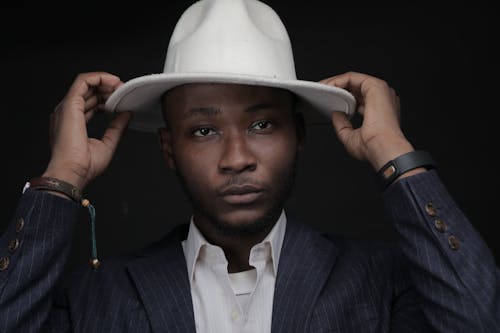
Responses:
[165,142]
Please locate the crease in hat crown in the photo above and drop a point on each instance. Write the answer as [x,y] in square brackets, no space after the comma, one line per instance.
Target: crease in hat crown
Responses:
[224,41]
[234,37]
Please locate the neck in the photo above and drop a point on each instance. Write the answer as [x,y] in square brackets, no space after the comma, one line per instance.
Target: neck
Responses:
[236,247]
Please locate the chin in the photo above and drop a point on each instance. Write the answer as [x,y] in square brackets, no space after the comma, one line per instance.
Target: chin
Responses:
[243,222]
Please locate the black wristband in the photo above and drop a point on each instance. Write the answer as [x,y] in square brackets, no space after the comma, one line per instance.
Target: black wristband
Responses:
[406,162]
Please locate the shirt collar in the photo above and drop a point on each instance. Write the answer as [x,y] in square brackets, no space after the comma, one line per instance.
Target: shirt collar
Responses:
[195,242]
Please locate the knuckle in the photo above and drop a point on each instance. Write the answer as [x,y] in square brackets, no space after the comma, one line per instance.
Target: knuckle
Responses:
[382,83]
[81,76]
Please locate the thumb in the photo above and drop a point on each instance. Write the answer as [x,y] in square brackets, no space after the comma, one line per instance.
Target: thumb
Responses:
[115,130]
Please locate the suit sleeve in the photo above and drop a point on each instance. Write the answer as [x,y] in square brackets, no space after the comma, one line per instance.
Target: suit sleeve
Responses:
[452,268]
[33,252]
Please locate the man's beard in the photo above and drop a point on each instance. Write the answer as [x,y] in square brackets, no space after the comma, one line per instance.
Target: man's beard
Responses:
[270,216]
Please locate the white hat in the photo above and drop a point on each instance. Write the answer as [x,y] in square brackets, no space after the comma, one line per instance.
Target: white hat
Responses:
[225,41]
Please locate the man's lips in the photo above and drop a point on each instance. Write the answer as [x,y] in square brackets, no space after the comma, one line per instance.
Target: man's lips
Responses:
[241,194]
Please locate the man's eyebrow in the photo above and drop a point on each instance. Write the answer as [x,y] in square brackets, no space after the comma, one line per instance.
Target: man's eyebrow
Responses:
[258,107]
[202,111]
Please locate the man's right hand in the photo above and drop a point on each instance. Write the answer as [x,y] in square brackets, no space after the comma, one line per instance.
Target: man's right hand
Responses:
[76,158]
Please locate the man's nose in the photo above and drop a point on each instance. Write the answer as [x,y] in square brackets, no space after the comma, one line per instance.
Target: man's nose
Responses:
[237,156]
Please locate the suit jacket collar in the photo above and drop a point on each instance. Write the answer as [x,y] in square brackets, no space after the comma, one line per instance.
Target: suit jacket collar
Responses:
[161,277]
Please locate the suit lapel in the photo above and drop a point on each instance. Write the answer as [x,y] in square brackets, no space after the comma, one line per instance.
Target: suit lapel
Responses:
[161,279]
[305,262]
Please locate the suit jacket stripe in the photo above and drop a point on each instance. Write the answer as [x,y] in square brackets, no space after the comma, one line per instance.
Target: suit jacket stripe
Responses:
[440,273]
[48,223]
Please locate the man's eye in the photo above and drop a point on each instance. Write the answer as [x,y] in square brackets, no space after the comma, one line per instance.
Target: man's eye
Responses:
[261,125]
[203,131]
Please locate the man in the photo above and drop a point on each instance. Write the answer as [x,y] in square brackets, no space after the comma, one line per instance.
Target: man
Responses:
[231,127]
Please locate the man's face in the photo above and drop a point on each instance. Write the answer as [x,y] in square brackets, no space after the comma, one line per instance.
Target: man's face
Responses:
[234,148]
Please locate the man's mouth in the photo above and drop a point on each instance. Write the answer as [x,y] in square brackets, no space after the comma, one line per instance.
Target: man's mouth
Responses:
[241,194]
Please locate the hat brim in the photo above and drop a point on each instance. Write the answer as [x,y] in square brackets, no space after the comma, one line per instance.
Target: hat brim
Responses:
[142,95]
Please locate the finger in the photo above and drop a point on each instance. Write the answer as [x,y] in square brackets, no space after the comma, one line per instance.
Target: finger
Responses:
[344,81]
[343,127]
[93,95]
[99,91]
[89,93]
[115,130]
[357,83]
[93,106]
[85,84]
[104,89]
[91,103]
[341,80]
[368,90]
[350,81]
[95,102]
[89,114]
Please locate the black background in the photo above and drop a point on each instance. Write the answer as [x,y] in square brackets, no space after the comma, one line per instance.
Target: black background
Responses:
[437,59]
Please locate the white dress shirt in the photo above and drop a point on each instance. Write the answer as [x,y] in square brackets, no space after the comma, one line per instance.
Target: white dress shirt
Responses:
[236,302]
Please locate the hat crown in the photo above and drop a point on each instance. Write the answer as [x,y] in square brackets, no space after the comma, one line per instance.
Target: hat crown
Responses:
[231,37]
[229,42]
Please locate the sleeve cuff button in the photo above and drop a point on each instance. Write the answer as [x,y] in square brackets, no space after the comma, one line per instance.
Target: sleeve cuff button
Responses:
[430,209]
[454,243]
[4,263]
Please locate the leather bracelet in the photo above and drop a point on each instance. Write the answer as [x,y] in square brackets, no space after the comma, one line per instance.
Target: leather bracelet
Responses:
[57,185]
[73,192]
[404,163]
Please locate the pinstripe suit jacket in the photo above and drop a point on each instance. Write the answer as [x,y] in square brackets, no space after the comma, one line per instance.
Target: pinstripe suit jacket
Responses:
[324,283]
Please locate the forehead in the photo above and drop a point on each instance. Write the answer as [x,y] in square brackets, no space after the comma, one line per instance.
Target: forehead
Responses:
[216,94]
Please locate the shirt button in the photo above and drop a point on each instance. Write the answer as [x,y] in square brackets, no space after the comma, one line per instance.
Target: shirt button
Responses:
[454,243]
[440,225]
[19,225]
[13,245]
[235,315]
[4,263]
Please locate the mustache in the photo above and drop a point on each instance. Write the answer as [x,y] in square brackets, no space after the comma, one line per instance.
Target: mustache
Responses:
[241,184]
